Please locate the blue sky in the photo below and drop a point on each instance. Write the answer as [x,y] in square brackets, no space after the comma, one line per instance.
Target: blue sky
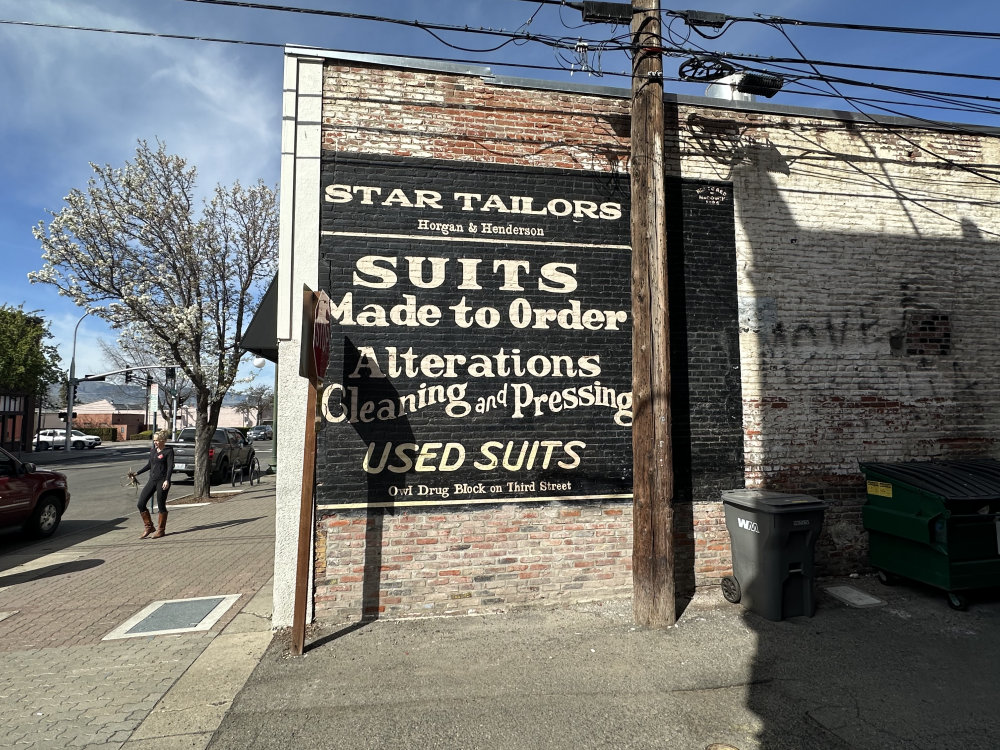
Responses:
[75,97]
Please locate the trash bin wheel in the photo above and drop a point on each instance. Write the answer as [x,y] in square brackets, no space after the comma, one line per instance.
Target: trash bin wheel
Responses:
[886,578]
[731,589]
[959,602]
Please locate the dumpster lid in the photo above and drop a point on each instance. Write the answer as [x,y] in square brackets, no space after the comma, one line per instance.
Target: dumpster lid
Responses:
[770,501]
[975,479]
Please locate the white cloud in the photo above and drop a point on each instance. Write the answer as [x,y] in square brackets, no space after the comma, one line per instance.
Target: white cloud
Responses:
[89,96]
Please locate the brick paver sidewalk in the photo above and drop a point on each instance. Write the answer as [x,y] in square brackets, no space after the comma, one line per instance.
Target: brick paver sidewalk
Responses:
[61,685]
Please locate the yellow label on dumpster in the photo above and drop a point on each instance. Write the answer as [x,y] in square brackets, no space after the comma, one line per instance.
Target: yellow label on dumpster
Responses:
[882,489]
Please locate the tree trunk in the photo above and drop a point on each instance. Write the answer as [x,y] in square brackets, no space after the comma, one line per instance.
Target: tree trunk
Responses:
[206,421]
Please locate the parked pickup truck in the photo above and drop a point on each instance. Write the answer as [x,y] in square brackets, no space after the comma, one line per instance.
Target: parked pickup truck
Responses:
[228,449]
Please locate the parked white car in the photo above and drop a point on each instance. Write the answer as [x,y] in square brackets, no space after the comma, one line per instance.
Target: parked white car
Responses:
[52,438]
[43,441]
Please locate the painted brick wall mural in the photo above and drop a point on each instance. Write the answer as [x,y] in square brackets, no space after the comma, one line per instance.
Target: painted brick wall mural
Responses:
[482,323]
[482,359]
[831,301]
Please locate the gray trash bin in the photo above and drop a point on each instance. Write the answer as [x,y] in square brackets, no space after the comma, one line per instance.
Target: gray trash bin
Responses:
[773,538]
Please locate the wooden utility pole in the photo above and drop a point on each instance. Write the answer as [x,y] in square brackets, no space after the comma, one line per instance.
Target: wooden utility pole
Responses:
[313,360]
[304,549]
[653,483]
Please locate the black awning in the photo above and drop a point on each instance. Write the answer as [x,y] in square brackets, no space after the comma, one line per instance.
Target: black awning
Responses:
[261,336]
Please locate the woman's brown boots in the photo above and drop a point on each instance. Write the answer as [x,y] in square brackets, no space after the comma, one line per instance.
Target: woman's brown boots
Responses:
[149,524]
[153,532]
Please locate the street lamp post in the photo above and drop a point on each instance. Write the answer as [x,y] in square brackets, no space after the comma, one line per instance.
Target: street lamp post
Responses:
[259,363]
[71,386]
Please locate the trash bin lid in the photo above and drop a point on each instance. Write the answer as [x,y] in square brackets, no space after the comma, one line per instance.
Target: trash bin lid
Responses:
[976,479]
[770,501]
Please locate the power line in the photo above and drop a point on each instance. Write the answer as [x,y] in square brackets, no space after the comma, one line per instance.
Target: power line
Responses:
[944,159]
[686,15]
[771,20]
[568,64]
[856,66]
[679,40]
[816,75]
[811,90]
[282,45]
[425,26]
[127,32]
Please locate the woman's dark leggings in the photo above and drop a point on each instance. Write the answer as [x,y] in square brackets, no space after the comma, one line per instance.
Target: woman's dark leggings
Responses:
[147,492]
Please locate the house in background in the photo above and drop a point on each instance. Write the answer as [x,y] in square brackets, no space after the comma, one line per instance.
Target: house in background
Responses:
[16,411]
[127,419]
[131,419]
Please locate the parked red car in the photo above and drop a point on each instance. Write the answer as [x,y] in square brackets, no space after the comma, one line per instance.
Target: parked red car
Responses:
[32,499]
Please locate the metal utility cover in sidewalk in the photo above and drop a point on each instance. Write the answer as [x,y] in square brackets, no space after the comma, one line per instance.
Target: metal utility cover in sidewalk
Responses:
[174,616]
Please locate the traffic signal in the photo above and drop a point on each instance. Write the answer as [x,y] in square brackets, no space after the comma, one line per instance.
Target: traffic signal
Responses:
[171,373]
[128,377]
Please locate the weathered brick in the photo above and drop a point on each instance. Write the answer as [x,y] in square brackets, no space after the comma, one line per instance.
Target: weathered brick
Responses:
[833,292]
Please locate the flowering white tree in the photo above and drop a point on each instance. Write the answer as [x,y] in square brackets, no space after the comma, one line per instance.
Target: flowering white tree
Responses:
[133,249]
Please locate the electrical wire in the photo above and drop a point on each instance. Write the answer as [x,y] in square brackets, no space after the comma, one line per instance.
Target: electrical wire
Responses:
[928,98]
[856,66]
[776,21]
[954,101]
[830,81]
[931,95]
[425,26]
[570,59]
[282,45]
[812,90]
[896,131]
[127,32]
[941,99]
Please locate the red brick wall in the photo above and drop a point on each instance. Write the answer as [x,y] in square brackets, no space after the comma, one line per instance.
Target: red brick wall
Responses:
[464,561]
[478,559]
[470,559]
[837,267]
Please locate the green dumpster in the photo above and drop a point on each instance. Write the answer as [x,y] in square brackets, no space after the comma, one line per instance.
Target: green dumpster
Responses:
[936,522]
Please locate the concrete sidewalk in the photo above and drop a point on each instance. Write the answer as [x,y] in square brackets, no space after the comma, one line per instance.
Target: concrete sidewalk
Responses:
[905,673]
[65,683]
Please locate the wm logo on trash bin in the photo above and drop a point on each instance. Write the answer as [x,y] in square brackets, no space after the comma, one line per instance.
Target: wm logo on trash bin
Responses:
[748,525]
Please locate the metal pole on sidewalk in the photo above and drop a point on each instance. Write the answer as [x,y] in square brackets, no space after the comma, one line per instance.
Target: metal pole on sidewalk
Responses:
[71,386]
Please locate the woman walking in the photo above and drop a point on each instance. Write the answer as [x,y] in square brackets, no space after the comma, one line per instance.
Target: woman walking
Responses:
[160,466]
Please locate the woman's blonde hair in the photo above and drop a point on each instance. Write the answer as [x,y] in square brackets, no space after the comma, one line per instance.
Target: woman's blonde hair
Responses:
[163,435]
